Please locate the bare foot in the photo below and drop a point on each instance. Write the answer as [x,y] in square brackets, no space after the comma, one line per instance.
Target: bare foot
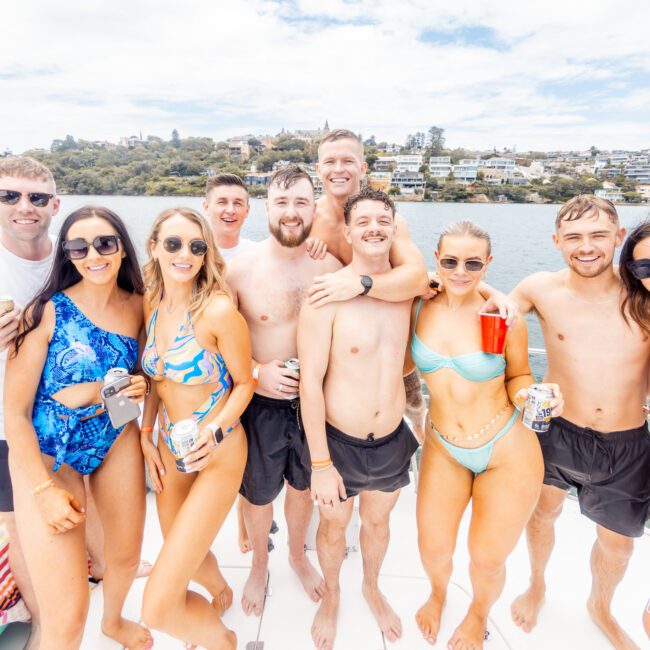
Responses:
[603,618]
[144,569]
[245,545]
[323,631]
[470,634]
[252,601]
[388,621]
[129,634]
[525,608]
[428,618]
[311,580]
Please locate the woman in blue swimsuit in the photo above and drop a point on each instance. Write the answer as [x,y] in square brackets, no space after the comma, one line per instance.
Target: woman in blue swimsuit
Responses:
[86,320]
[476,446]
[198,353]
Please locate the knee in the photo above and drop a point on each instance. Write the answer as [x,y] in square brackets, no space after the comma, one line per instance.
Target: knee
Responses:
[65,628]
[545,514]
[486,564]
[331,532]
[434,550]
[157,603]
[616,547]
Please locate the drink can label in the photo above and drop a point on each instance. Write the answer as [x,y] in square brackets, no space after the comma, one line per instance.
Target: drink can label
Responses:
[537,410]
[115,373]
[292,364]
[6,304]
[183,436]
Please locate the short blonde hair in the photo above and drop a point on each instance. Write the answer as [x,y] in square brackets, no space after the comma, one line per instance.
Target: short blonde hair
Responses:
[25,167]
[466,228]
[210,278]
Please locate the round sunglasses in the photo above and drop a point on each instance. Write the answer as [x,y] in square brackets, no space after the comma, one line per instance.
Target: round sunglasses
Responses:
[640,269]
[471,266]
[173,244]
[37,199]
[77,249]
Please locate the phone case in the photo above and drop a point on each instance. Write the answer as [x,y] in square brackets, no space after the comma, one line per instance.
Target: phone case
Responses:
[120,408]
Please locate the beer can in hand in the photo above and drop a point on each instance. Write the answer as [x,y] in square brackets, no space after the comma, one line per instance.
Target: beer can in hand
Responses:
[183,436]
[537,410]
[6,304]
[292,364]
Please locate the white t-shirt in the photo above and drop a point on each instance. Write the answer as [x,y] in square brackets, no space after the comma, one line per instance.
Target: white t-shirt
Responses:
[21,279]
[243,245]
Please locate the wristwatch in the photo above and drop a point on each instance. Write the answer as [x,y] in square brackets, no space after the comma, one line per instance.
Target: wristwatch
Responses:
[217,434]
[366,283]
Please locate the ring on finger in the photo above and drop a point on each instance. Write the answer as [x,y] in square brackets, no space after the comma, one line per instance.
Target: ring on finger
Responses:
[280,388]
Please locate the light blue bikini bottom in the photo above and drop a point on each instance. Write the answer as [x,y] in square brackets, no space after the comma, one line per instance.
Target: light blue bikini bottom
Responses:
[477,458]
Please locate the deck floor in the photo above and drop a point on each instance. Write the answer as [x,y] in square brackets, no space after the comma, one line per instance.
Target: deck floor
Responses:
[564,623]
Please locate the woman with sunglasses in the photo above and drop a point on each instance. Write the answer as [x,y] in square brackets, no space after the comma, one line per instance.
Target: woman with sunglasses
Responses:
[476,446]
[86,320]
[198,352]
[634,267]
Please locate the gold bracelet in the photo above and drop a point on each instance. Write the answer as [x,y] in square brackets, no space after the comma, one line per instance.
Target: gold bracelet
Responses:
[321,463]
[322,468]
[42,487]
[146,429]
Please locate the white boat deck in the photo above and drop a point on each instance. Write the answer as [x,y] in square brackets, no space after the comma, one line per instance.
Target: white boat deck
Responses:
[285,625]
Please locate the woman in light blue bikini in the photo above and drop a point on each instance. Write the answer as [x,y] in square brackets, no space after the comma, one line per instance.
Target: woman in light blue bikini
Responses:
[476,446]
[198,353]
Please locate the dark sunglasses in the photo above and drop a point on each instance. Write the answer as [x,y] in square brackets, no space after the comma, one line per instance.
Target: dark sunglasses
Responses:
[472,266]
[173,244]
[640,269]
[37,199]
[77,249]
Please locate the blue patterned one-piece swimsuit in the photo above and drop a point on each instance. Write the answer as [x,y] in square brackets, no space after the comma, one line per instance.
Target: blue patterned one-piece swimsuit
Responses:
[79,352]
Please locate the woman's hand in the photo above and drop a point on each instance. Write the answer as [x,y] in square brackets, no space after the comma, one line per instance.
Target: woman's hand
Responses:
[201,452]
[153,460]
[557,402]
[137,390]
[60,509]
[327,488]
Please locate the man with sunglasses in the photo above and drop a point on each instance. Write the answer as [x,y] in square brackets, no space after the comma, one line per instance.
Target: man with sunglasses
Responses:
[600,446]
[28,202]
[270,283]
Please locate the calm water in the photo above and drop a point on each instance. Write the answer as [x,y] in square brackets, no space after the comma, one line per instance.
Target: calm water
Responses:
[521,233]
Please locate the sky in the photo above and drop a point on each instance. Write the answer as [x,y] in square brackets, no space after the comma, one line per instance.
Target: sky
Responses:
[532,75]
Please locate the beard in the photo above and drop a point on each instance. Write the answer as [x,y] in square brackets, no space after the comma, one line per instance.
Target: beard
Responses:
[589,273]
[293,240]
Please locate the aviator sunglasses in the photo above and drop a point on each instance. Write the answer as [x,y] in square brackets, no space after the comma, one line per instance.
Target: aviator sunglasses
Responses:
[640,269]
[77,249]
[173,244]
[37,199]
[472,266]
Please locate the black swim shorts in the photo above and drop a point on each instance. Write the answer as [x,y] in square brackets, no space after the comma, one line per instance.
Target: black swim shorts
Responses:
[611,472]
[275,443]
[365,465]
[6,491]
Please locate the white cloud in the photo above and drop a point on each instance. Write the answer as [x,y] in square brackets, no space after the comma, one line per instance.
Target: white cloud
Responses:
[99,71]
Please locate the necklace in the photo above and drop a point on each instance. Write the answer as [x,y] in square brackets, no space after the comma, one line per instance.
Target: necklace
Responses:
[473,436]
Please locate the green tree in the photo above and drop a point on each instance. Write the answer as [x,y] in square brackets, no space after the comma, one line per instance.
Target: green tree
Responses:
[436,140]
[175,140]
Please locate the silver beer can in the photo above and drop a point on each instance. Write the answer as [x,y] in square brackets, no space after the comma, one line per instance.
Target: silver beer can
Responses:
[6,304]
[113,374]
[183,436]
[537,410]
[292,364]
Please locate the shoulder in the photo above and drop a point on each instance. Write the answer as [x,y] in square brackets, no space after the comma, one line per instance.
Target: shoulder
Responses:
[542,280]
[328,264]
[220,309]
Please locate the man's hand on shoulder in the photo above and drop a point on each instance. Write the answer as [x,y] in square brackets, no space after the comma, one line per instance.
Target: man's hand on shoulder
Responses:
[9,327]
[316,248]
[333,287]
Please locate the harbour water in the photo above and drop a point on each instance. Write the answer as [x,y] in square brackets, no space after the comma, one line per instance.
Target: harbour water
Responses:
[521,233]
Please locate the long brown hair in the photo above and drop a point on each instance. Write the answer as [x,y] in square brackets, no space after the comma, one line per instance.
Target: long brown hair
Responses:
[210,278]
[636,302]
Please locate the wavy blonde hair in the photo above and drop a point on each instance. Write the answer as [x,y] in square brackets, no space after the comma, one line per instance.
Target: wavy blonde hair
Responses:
[210,278]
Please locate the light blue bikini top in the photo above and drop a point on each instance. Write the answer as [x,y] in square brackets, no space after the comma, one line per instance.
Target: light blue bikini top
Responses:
[474,366]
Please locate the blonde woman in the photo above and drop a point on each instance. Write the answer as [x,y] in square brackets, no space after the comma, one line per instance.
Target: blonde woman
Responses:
[198,353]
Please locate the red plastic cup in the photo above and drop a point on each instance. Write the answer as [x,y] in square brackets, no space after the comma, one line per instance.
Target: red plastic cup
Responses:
[493,333]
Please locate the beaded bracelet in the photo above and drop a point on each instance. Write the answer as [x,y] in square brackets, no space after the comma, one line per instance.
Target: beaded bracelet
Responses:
[42,487]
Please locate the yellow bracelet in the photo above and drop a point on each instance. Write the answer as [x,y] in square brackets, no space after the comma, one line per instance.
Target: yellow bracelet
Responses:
[42,487]
[146,430]
[321,463]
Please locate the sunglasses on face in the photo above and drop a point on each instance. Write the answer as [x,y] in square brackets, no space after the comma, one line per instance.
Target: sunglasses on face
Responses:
[471,266]
[77,249]
[173,244]
[640,269]
[37,199]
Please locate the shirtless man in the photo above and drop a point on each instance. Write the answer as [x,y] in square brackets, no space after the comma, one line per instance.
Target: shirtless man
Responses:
[270,283]
[353,399]
[601,444]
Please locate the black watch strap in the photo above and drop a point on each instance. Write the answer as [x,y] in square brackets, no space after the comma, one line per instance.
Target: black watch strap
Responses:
[366,283]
